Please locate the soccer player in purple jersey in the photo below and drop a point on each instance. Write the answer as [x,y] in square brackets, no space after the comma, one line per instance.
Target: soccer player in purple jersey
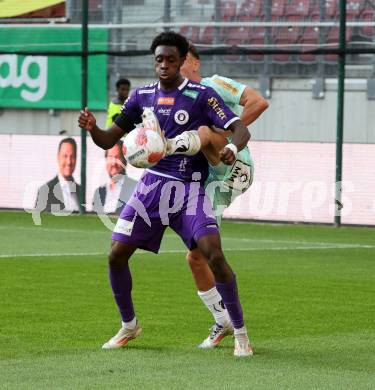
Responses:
[171,193]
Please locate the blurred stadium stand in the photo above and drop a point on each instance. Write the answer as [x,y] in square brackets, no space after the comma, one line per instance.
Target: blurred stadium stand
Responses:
[289,35]
[286,36]
[294,24]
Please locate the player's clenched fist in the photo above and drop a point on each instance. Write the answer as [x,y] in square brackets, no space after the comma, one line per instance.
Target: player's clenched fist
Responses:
[227,156]
[86,120]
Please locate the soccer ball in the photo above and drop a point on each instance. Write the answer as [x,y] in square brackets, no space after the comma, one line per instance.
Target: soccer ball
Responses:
[143,148]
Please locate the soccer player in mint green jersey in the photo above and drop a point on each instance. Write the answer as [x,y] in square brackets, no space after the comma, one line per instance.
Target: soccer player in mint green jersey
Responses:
[248,104]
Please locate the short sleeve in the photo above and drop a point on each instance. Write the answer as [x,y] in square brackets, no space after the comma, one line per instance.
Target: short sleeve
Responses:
[230,90]
[219,114]
[131,108]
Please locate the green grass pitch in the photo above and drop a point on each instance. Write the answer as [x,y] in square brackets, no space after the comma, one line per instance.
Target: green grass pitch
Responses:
[308,294]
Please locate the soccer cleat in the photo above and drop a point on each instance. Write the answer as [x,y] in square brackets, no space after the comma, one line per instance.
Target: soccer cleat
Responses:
[217,333]
[242,347]
[123,336]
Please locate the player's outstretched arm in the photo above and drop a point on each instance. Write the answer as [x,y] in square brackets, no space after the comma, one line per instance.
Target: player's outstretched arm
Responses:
[253,105]
[105,139]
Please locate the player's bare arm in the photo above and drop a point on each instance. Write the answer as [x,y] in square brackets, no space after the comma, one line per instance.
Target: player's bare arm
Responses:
[241,136]
[105,139]
[254,104]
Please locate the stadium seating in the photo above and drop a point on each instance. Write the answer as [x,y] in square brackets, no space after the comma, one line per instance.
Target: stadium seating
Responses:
[333,41]
[257,41]
[284,38]
[353,9]
[191,33]
[310,40]
[331,9]
[250,10]
[237,36]
[367,15]
[298,8]
[228,10]
[207,35]
[278,8]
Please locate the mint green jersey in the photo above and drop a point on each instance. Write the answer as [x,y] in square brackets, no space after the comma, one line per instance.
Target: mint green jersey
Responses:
[229,90]
[222,195]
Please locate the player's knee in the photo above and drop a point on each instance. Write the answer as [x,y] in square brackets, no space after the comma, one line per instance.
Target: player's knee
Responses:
[116,259]
[196,262]
[216,261]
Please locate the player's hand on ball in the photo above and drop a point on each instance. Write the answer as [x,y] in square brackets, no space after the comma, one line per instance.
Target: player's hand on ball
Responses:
[227,156]
[86,120]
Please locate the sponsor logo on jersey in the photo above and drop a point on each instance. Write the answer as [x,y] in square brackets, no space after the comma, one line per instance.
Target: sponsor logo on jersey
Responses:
[164,111]
[143,91]
[226,85]
[190,93]
[181,117]
[166,101]
[212,102]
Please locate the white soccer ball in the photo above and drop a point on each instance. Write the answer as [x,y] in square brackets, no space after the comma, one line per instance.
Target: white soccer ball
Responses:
[143,148]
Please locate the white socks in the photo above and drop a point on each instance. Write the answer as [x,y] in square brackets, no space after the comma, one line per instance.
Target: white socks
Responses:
[187,143]
[240,332]
[214,304]
[131,324]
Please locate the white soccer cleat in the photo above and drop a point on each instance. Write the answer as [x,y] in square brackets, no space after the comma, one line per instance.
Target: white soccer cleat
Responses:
[217,333]
[242,347]
[123,336]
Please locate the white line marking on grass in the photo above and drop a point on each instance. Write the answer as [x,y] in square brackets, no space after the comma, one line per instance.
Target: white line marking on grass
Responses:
[13,255]
[57,230]
[167,251]
[224,238]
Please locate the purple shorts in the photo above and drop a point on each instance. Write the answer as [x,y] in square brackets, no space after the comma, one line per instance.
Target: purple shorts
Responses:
[159,202]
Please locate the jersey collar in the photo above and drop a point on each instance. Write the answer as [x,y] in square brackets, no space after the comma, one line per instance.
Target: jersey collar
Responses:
[181,86]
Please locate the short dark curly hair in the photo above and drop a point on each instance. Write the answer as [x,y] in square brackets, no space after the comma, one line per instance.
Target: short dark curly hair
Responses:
[171,38]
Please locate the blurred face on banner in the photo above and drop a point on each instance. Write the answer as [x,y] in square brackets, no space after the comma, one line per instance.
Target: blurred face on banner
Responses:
[66,159]
[115,163]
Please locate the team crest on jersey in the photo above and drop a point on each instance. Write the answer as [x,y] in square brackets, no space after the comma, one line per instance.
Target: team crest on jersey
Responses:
[181,117]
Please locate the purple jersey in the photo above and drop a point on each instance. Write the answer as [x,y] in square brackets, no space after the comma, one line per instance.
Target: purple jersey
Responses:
[186,108]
